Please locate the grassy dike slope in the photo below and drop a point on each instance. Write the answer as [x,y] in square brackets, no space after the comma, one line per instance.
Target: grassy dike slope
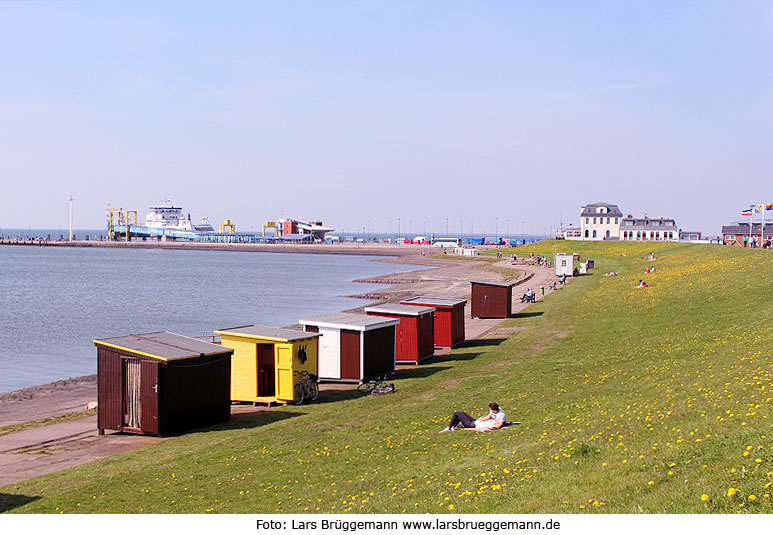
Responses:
[633,400]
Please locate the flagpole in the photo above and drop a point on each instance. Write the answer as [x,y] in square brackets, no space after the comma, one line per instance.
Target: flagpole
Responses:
[762,227]
[751,223]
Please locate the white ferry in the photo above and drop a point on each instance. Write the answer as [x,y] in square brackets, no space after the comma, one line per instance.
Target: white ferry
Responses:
[169,217]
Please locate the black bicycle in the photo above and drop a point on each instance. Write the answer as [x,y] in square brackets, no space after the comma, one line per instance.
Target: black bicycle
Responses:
[306,387]
[377,386]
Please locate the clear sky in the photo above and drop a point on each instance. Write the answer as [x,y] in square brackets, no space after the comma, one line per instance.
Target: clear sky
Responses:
[357,112]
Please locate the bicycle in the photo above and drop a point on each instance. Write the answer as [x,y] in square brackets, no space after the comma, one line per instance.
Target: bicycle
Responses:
[377,386]
[306,387]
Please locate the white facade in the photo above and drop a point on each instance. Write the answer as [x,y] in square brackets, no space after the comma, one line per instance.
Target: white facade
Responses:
[603,221]
[571,233]
[600,221]
[660,229]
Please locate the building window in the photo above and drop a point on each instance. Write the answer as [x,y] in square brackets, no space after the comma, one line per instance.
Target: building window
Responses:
[730,237]
[586,233]
[652,234]
[607,234]
[657,235]
[594,233]
[594,220]
[607,221]
[587,220]
[615,221]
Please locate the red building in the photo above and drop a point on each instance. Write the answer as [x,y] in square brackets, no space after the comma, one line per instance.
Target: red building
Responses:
[740,234]
[491,299]
[415,334]
[449,318]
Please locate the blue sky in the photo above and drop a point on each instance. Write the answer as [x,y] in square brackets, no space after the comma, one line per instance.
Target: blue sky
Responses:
[357,112]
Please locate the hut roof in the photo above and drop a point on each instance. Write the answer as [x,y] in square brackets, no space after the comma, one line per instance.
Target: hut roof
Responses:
[164,345]
[494,283]
[403,310]
[346,320]
[434,301]
[272,333]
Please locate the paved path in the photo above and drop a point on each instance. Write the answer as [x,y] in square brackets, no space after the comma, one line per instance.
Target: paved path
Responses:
[48,449]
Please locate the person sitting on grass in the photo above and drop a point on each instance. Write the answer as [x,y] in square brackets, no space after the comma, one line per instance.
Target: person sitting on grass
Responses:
[642,284]
[493,420]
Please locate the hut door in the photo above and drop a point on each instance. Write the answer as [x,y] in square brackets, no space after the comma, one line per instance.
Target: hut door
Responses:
[350,354]
[149,392]
[131,394]
[329,357]
[265,356]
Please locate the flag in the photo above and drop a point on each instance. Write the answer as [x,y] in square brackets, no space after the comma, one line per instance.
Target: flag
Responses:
[757,208]
[769,206]
[746,212]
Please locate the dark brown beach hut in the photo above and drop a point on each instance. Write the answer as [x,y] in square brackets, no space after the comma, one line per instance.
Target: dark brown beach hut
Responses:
[161,383]
[491,299]
[449,318]
[353,347]
[415,333]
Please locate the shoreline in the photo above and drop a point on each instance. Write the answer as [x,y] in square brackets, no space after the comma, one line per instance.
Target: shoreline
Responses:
[74,442]
[364,249]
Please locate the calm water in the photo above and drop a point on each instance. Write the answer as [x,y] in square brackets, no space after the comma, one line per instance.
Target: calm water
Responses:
[55,300]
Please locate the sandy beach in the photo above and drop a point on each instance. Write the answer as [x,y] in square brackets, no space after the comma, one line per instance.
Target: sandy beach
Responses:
[43,449]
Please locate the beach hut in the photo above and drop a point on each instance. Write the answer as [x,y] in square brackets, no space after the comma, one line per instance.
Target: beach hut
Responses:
[565,264]
[353,347]
[449,318]
[491,299]
[267,362]
[161,383]
[415,333]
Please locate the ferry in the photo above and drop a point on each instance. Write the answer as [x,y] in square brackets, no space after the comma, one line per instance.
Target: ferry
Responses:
[169,217]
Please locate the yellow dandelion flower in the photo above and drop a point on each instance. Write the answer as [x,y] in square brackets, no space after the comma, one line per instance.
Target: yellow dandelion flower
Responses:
[732,492]
[705,497]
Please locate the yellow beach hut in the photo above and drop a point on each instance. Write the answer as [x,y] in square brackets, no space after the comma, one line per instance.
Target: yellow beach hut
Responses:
[267,361]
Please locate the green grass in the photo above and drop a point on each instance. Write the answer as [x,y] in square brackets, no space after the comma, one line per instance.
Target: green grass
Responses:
[633,400]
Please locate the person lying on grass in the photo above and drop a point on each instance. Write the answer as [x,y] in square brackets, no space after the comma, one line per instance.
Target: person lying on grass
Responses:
[493,420]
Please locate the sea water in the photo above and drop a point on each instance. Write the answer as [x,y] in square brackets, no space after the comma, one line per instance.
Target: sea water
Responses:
[54,301]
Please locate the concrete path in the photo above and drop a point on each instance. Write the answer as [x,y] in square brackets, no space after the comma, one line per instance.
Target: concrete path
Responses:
[48,449]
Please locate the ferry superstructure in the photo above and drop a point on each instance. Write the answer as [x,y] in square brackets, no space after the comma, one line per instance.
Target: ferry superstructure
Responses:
[171,218]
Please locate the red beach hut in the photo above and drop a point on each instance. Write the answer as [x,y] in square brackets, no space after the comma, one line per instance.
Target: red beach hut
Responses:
[491,299]
[449,318]
[415,334]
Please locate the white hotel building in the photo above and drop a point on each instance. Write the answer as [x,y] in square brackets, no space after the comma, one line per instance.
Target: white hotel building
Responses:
[604,221]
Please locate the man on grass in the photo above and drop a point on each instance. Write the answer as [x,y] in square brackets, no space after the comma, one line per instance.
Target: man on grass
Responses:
[493,420]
